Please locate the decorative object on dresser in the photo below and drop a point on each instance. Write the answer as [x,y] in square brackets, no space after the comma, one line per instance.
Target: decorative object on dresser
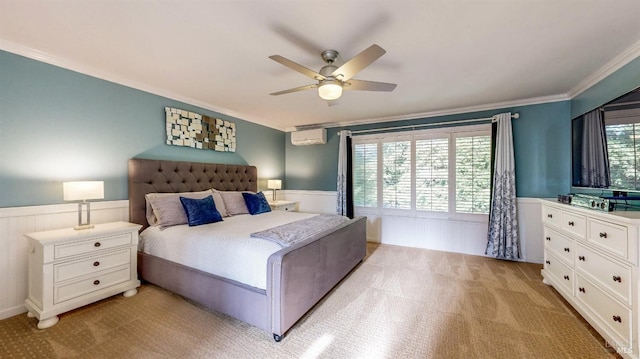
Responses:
[274,185]
[82,191]
[290,206]
[591,259]
[69,269]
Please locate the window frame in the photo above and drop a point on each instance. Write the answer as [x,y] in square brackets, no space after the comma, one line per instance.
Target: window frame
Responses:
[451,133]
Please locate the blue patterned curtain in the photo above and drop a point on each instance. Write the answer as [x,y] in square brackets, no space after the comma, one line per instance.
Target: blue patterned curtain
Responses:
[344,206]
[503,241]
[594,171]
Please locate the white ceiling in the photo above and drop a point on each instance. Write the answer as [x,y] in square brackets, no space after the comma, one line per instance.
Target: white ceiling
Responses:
[445,56]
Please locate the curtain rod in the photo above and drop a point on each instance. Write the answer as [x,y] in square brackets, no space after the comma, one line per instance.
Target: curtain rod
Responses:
[514,116]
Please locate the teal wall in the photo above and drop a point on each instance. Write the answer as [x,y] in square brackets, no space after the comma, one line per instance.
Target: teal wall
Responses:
[58,125]
[542,151]
[613,86]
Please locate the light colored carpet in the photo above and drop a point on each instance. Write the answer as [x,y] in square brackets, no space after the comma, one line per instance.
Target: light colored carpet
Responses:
[399,303]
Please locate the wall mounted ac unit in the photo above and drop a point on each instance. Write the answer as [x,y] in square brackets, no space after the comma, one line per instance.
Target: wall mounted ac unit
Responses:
[317,136]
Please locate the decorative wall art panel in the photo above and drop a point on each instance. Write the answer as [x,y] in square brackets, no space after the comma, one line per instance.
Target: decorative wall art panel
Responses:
[186,128]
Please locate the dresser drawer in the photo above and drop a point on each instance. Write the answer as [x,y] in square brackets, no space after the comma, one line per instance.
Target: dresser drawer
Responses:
[575,224]
[551,216]
[562,273]
[561,245]
[65,271]
[91,246]
[610,311]
[614,276]
[610,237]
[91,284]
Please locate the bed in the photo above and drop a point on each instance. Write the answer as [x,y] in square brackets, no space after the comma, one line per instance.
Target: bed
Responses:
[298,276]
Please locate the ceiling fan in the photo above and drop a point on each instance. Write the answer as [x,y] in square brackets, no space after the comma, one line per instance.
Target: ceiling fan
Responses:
[333,79]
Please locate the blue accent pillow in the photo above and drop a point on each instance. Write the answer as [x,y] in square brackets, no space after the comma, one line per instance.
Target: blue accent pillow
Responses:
[256,203]
[200,211]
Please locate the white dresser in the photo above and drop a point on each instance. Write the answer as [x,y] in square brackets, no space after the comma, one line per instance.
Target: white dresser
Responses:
[591,258]
[70,268]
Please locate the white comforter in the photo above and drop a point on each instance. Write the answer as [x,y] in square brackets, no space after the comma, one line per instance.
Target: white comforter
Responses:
[224,248]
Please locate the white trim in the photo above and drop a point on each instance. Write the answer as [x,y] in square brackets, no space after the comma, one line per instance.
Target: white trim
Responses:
[58,208]
[615,64]
[628,55]
[111,77]
[453,111]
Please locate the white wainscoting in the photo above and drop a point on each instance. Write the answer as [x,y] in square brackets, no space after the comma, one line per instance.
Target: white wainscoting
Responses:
[438,234]
[16,221]
[462,237]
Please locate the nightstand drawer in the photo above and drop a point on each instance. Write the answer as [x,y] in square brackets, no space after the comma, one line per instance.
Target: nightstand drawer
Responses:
[62,272]
[91,284]
[91,246]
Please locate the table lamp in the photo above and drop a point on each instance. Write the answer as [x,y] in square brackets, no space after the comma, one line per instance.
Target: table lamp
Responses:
[274,185]
[82,191]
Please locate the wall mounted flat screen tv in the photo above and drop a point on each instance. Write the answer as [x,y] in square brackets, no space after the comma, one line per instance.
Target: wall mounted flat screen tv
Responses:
[605,146]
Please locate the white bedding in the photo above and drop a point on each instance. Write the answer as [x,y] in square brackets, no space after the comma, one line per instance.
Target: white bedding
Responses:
[224,248]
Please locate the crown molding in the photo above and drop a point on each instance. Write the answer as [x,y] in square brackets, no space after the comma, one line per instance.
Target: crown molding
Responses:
[454,111]
[111,77]
[628,55]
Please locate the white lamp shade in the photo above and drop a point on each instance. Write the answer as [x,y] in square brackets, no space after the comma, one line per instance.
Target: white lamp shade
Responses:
[82,190]
[274,184]
[330,91]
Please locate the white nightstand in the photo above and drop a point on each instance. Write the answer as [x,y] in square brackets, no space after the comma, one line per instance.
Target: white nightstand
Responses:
[283,206]
[71,268]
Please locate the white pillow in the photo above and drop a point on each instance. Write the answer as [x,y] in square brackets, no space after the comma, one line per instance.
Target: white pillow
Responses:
[166,208]
[234,202]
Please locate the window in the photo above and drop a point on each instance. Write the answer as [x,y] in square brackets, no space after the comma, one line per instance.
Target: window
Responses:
[473,174]
[396,174]
[622,148]
[445,171]
[365,178]
[432,174]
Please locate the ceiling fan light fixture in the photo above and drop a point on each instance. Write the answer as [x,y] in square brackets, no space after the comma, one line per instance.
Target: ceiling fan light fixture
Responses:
[330,90]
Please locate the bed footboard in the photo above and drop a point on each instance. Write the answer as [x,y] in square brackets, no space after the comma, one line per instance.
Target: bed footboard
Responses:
[300,275]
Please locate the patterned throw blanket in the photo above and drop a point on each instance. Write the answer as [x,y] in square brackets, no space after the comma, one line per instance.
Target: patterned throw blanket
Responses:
[294,232]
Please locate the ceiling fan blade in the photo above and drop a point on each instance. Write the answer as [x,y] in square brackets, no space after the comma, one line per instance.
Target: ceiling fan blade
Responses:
[369,86]
[297,67]
[359,62]
[301,88]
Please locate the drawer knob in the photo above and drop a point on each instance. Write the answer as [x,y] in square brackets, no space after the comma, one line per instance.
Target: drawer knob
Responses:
[581,258]
[616,318]
[97,244]
[566,277]
[549,215]
[603,234]
[96,282]
[566,249]
[548,262]
[617,278]
[571,223]
[548,238]
[96,263]
[581,289]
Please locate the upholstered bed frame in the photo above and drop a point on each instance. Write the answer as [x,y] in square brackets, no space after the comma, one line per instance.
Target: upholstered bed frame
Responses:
[297,276]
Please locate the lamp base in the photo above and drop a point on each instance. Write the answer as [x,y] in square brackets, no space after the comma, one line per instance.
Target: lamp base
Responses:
[83,226]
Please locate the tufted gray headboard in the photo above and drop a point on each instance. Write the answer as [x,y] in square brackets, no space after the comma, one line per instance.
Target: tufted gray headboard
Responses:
[146,176]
